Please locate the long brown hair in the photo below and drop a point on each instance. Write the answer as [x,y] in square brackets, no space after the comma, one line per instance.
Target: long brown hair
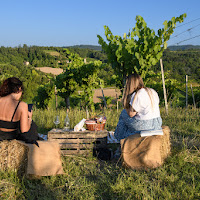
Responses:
[134,83]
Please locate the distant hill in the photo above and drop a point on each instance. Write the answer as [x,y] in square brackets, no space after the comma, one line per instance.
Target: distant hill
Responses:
[183,47]
[172,48]
[93,47]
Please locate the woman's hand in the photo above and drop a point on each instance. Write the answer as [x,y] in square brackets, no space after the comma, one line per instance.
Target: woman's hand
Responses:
[131,112]
[30,114]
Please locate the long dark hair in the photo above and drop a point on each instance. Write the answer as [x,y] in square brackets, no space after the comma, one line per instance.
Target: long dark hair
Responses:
[10,85]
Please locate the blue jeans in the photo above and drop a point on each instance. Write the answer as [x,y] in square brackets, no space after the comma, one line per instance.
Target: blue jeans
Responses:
[130,125]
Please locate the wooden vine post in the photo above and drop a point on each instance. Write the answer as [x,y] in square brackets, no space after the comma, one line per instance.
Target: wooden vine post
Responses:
[164,89]
[117,103]
[56,97]
[104,98]
[186,91]
[193,96]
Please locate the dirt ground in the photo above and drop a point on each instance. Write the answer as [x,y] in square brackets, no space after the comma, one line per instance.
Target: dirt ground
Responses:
[112,92]
[54,71]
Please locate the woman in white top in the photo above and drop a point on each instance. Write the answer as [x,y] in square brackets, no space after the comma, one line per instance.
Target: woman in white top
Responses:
[141,109]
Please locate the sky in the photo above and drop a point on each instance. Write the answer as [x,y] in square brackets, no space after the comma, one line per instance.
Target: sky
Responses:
[78,22]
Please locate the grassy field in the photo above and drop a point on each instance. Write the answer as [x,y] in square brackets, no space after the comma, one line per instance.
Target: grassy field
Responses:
[89,178]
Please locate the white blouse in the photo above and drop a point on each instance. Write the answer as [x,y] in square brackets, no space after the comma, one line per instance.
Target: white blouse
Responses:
[146,104]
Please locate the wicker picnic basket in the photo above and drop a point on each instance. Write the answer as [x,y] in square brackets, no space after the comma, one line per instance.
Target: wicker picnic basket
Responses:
[92,125]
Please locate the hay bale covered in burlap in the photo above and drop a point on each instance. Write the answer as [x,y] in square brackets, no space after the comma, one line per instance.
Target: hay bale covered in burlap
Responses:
[145,152]
[44,160]
[30,159]
[13,156]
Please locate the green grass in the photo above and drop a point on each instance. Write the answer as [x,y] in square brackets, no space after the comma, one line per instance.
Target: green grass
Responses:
[89,178]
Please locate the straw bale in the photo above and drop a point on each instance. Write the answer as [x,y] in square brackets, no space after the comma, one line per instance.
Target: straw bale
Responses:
[13,156]
[165,143]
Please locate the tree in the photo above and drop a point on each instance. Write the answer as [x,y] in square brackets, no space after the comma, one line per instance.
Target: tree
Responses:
[44,94]
[88,80]
[138,50]
[66,82]
[78,75]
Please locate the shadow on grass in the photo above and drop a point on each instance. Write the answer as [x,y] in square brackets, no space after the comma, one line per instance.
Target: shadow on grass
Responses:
[35,189]
[106,179]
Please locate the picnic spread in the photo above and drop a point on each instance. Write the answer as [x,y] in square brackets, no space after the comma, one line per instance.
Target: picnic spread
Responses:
[139,151]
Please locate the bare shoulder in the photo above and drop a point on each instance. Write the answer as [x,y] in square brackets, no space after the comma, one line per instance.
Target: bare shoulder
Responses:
[23,106]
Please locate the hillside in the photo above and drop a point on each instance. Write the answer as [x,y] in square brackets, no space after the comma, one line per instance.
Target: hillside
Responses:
[23,61]
[92,47]
[181,63]
[183,47]
[172,48]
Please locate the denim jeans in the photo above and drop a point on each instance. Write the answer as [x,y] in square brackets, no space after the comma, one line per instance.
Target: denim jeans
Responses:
[130,125]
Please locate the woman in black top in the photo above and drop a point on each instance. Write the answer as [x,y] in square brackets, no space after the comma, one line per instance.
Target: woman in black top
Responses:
[15,120]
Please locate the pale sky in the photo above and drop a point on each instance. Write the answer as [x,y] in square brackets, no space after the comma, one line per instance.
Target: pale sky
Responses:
[76,22]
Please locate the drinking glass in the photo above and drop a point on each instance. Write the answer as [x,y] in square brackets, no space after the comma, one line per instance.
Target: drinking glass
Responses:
[56,120]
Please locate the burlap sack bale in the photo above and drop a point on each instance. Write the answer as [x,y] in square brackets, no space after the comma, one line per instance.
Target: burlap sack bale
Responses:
[13,156]
[145,152]
[44,160]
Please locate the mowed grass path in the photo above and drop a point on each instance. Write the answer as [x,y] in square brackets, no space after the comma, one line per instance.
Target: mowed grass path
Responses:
[89,178]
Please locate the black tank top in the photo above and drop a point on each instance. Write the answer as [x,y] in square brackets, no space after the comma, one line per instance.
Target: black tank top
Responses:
[9,125]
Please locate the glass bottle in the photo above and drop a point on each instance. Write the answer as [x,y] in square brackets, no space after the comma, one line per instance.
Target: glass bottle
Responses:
[67,123]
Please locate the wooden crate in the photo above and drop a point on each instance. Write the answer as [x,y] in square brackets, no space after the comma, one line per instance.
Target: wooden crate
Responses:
[78,142]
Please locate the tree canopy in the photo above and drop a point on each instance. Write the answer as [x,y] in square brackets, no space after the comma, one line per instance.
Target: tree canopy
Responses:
[138,50]
[79,75]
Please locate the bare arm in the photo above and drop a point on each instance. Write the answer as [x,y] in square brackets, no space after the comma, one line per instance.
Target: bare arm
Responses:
[25,118]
